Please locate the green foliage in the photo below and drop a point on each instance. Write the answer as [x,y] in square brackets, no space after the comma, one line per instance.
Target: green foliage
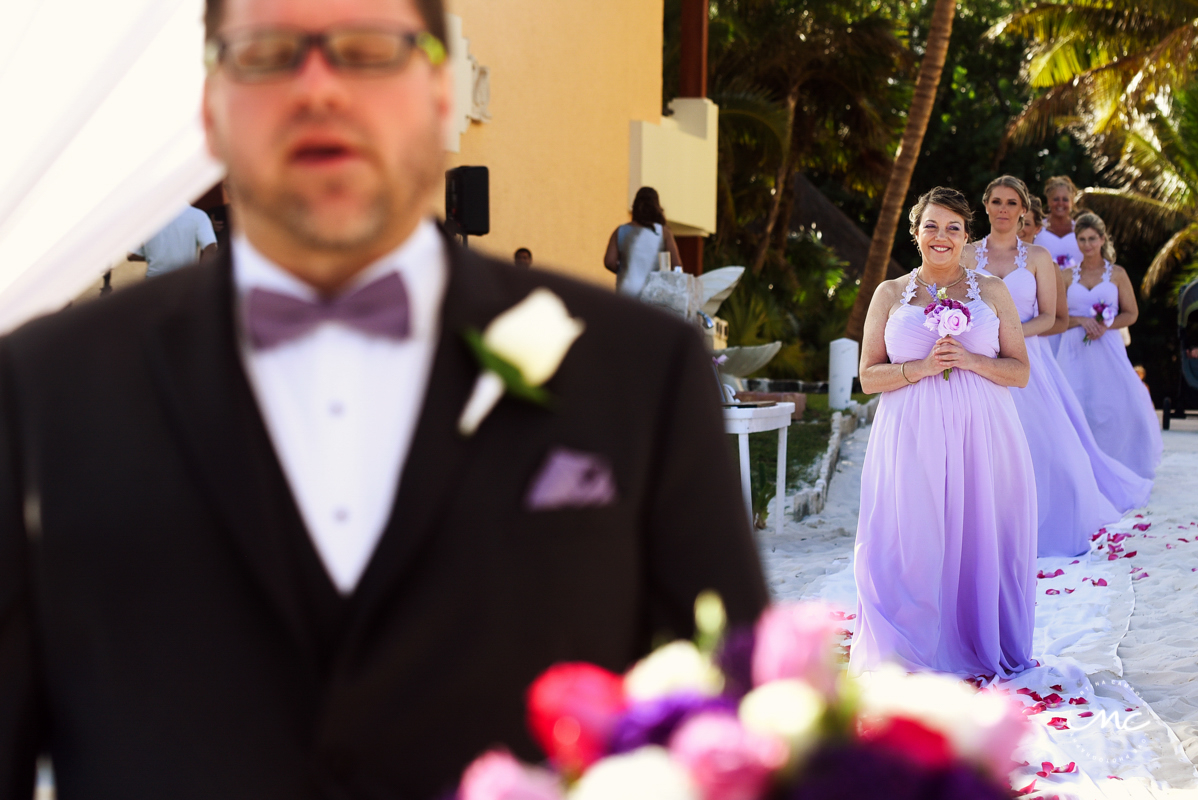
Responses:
[801,301]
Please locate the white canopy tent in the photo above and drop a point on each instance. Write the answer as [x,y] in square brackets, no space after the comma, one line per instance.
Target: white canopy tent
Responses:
[101,139]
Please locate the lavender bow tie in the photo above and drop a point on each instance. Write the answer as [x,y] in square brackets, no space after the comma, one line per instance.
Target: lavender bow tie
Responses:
[379,307]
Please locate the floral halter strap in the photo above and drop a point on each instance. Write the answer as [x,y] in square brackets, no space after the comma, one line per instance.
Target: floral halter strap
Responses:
[1107,269]
[971,280]
[983,257]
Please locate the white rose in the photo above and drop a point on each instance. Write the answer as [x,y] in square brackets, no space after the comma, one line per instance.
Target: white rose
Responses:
[645,774]
[675,667]
[977,724]
[534,335]
[789,710]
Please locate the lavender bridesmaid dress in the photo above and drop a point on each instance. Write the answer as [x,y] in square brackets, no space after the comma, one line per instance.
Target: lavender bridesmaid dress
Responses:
[1071,501]
[946,543]
[1115,401]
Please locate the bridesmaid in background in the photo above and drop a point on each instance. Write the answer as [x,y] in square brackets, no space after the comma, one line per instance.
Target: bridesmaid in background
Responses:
[1094,361]
[1057,237]
[945,556]
[1070,503]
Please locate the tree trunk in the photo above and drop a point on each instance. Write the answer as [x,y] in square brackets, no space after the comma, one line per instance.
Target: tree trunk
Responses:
[784,170]
[900,174]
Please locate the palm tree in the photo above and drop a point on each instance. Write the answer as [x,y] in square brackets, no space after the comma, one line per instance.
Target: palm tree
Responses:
[1159,195]
[829,69]
[1098,62]
[891,211]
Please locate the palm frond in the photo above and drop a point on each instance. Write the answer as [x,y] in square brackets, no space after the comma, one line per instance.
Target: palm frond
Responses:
[1131,215]
[1180,247]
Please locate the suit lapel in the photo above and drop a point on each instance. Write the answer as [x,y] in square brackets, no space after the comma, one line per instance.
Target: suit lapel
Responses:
[193,351]
[473,297]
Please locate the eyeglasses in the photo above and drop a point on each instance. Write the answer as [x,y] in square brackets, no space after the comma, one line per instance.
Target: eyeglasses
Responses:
[270,54]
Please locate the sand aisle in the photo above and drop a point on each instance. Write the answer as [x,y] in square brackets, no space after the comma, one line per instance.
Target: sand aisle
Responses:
[1116,697]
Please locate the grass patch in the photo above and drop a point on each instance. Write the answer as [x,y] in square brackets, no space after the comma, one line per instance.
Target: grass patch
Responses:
[806,442]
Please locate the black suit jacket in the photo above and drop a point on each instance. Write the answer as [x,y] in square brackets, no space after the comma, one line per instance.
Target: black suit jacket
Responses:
[153,634]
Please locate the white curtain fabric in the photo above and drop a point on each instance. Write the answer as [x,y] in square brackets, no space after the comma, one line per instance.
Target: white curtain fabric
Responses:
[100,140]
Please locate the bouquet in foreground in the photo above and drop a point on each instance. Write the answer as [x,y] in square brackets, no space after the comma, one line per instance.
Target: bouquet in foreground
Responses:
[765,712]
[1104,314]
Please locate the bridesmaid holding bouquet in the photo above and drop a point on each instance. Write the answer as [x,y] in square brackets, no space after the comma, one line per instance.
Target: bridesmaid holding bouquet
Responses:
[946,544]
[1094,361]
[1071,503]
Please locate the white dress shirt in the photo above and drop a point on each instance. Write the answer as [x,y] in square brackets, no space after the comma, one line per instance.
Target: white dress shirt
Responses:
[342,405]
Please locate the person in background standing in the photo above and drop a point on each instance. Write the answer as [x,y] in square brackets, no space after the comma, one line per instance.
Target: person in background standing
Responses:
[178,244]
[633,249]
[1057,237]
[523,257]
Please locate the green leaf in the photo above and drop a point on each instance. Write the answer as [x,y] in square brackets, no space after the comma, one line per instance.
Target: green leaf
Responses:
[511,375]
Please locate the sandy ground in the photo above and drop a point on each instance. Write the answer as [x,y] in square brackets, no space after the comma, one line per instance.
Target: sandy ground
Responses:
[1116,633]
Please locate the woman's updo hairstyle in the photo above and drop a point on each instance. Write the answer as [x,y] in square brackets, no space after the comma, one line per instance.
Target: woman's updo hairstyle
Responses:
[1061,182]
[1010,182]
[1037,212]
[944,197]
[1094,222]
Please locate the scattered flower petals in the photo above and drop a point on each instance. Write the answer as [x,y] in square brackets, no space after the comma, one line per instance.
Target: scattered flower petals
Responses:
[1033,710]
[1078,701]
[1041,574]
[1141,575]
[1056,687]
[1053,700]
[1059,723]
[1132,553]
[1053,591]
[1142,526]
[1070,591]
[1031,787]
[1099,582]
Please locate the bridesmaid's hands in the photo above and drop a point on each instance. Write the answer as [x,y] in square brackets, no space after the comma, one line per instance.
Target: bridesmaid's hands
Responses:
[948,353]
[1094,329]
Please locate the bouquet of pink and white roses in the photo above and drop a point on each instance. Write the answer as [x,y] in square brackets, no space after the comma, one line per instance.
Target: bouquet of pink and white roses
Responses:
[947,318]
[1104,314]
[755,714]
[1065,261]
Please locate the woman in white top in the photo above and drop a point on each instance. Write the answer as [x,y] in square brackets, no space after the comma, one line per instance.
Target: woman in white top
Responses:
[632,250]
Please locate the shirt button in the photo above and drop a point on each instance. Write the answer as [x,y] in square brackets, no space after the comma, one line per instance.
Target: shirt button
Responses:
[341,514]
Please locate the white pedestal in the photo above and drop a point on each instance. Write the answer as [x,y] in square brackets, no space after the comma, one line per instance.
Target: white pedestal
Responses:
[742,422]
[842,368]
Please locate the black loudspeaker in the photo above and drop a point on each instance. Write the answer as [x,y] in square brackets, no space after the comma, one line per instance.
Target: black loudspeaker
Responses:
[468,200]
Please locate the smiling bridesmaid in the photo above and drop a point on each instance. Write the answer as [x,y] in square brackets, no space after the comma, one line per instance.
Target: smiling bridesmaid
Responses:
[1116,403]
[1071,503]
[945,556]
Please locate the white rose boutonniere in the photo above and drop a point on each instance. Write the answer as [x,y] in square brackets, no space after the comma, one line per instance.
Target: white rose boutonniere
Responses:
[519,351]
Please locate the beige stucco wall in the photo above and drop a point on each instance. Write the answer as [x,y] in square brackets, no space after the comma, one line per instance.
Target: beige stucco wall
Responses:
[567,79]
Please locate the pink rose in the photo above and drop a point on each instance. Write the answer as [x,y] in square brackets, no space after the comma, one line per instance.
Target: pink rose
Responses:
[953,322]
[997,738]
[725,761]
[797,640]
[498,776]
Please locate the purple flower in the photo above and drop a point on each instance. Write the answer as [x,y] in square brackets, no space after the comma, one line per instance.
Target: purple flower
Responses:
[654,721]
[735,659]
[866,773]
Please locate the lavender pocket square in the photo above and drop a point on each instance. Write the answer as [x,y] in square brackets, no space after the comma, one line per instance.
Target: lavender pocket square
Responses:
[571,479]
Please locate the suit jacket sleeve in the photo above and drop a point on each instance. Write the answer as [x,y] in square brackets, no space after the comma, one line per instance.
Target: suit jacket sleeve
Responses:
[19,722]
[699,535]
